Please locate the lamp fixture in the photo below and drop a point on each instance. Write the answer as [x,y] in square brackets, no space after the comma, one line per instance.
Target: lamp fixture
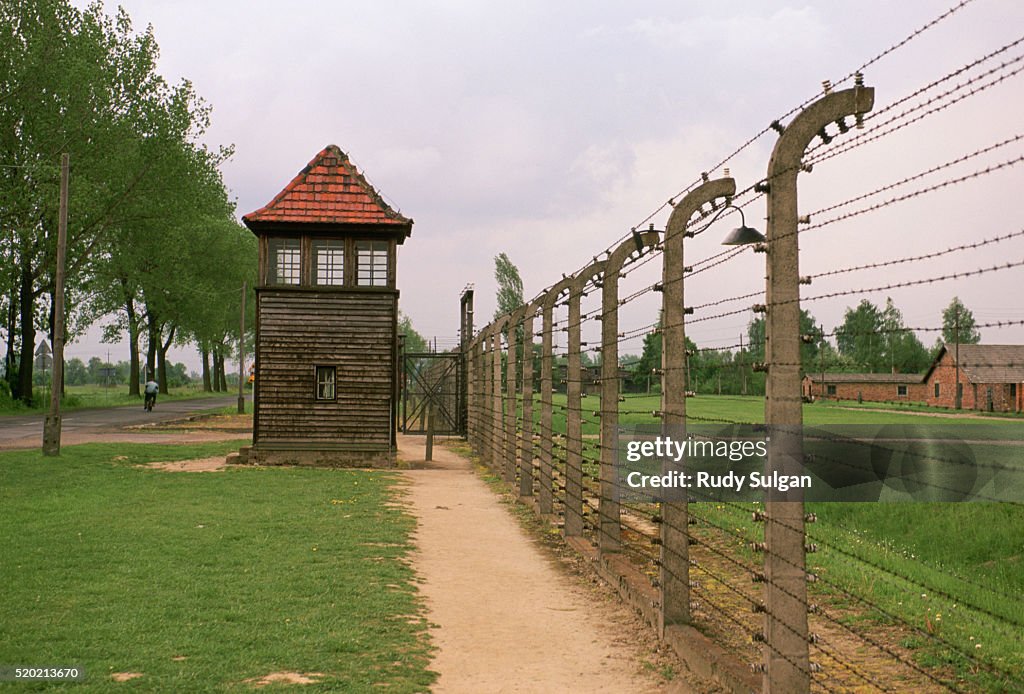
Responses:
[743,235]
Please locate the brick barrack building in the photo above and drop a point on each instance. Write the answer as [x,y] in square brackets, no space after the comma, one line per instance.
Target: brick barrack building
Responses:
[990,378]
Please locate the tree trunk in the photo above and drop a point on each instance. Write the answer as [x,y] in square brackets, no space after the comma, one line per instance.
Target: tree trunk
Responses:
[133,345]
[207,386]
[12,323]
[153,339]
[162,360]
[223,372]
[28,336]
[12,327]
[216,369]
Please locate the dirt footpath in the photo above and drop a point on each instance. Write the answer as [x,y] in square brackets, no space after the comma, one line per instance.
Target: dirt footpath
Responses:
[509,618]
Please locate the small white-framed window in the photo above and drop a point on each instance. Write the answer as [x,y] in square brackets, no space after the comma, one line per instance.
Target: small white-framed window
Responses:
[830,390]
[284,263]
[372,263]
[326,377]
[328,262]
[901,391]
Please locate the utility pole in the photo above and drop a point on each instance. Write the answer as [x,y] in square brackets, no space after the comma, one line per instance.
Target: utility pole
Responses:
[821,362]
[51,426]
[743,368]
[241,354]
[956,357]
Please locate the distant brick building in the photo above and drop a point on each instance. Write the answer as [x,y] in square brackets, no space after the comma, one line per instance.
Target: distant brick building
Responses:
[886,387]
[991,378]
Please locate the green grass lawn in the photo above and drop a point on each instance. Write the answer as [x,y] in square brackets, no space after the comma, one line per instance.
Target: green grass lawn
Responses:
[80,397]
[202,580]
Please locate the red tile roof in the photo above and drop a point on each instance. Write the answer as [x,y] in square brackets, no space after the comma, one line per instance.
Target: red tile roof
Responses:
[329,190]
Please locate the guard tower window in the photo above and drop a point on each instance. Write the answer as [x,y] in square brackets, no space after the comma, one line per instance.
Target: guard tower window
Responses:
[372,263]
[284,262]
[329,262]
[325,379]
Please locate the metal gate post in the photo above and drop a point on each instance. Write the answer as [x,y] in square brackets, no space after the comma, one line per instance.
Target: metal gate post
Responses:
[675,545]
[786,657]
[610,527]
[573,406]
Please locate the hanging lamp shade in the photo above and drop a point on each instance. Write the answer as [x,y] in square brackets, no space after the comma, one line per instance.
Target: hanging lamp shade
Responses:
[743,234]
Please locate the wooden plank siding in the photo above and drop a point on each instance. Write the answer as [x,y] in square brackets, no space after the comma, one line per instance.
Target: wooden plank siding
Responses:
[351,330]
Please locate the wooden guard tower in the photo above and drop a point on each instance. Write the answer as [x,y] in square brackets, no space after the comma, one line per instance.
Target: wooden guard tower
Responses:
[326,320]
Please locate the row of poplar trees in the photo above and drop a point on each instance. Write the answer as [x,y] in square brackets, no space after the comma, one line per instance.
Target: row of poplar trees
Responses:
[154,251]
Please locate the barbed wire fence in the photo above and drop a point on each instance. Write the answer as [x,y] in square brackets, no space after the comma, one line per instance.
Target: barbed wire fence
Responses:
[749,575]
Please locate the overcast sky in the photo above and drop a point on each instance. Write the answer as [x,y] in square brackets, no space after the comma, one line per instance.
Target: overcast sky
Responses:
[546,130]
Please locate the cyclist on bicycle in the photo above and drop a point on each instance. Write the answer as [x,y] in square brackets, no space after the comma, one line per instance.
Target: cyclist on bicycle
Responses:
[152,388]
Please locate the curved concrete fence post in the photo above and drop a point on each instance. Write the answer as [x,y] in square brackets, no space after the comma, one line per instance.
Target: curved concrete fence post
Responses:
[545,498]
[497,425]
[786,657]
[509,467]
[574,518]
[609,535]
[526,432]
[471,386]
[675,546]
[487,395]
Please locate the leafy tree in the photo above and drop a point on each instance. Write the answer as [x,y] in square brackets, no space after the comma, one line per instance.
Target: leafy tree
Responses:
[860,339]
[72,82]
[756,334]
[641,373]
[81,82]
[177,375]
[875,340]
[414,342]
[958,324]
[75,372]
[903,349]
[712,371]
[510,294]
[510,285]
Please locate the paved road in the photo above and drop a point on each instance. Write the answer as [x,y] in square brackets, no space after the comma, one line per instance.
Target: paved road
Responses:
[17,431]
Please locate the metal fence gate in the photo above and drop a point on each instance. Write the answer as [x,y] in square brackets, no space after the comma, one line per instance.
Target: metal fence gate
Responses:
[431,380]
